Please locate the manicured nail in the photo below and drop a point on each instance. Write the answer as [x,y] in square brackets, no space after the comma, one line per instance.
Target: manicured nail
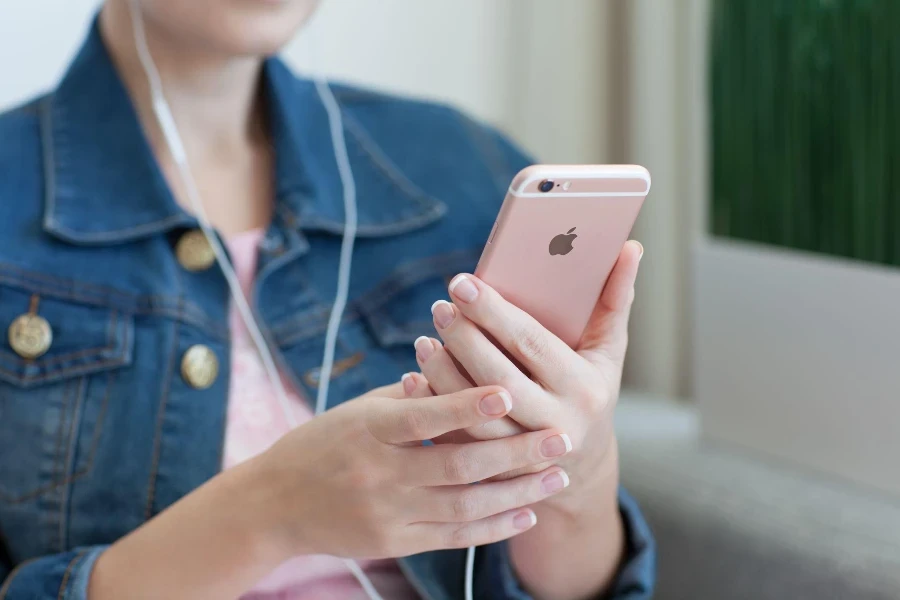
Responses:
[443,313]
[424,349]
[496,404]
[554,482]
[409,383]
[556,445]
[525,519]
[642,250]
[463,288]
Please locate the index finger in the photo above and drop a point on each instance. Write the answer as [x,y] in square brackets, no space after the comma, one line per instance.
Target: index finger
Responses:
[549,360]
[427,418]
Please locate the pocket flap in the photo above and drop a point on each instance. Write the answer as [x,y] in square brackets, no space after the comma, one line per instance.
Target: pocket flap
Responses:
[85,339]
[398,310]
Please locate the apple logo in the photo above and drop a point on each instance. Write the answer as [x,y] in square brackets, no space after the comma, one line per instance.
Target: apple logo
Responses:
[562,243]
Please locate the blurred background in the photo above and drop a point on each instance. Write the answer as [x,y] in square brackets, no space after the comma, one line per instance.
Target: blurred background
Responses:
[759,425]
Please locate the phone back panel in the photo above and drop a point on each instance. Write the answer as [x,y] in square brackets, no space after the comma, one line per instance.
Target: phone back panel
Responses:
[551,253]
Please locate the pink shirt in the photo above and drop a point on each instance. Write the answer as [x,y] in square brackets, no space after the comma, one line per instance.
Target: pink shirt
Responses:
[255,422]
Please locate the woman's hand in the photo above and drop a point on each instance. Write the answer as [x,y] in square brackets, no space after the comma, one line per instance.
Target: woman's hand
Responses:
[488,341]
[354,482]
[575,550]
[357,482]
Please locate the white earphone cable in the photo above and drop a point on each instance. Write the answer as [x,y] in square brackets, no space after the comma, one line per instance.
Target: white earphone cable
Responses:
[336,124]
[470,573]
[176,147]
[179,155]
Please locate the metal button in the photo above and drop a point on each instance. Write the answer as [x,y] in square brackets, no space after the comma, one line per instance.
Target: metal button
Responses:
[30,335]
[194,252]
[199,367]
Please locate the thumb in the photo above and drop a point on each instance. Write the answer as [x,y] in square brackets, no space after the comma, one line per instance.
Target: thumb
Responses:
[394,390]
[607,331]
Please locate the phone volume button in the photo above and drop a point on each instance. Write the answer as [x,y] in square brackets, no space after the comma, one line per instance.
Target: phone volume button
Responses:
[493,232]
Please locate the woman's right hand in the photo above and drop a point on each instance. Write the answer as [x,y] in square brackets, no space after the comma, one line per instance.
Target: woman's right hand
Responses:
[354,482]
[357,482]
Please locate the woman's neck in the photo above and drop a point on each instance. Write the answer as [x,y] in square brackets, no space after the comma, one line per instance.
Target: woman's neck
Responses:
[218,108]
[214,98]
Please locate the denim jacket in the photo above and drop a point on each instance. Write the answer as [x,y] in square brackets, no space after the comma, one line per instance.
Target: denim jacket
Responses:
[102,431]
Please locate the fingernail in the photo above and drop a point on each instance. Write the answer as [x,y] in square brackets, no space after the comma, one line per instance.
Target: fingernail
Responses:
[554,482]
[556,445]
[424,349]
[496,404]
[525,519]
[463,288]
[409,384]
[642,250]
[443,313]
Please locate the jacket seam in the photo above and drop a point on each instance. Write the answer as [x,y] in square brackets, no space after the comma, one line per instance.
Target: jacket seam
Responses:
[25,274]
[9,578]
[58,473]
[382,161]
[155,305]
[368,306]
[160,416]
[68,464]
[49,159]
[116,235]
[117,361]
[407,275]
[68,574]
[95,442]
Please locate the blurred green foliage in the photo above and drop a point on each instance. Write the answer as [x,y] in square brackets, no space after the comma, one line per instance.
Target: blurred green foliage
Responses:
[806,125]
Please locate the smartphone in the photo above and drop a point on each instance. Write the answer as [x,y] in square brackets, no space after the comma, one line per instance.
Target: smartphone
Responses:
[557,237]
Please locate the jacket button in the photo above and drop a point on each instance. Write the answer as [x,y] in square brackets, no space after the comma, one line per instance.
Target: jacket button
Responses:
[194,252]
[30,335]
[199,367]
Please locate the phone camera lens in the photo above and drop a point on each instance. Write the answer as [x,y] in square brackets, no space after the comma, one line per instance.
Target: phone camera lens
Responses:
[546,185]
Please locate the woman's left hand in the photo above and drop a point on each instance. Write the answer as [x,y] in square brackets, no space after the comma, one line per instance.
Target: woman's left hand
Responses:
[488,341]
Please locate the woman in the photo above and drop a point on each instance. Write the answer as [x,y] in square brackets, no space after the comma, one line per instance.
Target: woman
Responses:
[141,452]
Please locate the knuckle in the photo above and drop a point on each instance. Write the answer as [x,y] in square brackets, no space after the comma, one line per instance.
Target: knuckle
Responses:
[415,422]
[460,409]
[506,379]
[459,467]
[460,537]
[466,506]
[530,345]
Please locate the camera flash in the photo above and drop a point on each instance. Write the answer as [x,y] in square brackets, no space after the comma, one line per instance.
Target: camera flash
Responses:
[566,185]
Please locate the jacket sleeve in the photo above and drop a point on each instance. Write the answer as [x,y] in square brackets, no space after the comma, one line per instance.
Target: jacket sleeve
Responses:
[55,577]
[495,578]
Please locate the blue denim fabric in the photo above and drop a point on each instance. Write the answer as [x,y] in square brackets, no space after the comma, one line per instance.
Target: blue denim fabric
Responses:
[101,433]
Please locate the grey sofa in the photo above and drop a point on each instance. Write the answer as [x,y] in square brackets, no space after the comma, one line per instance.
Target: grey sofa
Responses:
[731,526]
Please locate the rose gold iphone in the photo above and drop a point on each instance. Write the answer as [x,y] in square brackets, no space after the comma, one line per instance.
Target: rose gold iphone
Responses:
[558,236]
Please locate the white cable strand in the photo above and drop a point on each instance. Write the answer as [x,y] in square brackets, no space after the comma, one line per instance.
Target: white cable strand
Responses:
[336,124]
[179,155]
[470,573]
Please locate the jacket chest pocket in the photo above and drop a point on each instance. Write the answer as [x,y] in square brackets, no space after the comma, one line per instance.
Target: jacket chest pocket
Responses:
[398,310]
[58,361]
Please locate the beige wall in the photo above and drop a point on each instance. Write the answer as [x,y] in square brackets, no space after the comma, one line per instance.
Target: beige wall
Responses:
[533,67]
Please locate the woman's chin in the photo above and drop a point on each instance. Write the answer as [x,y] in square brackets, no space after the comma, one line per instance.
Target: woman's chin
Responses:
[234,27]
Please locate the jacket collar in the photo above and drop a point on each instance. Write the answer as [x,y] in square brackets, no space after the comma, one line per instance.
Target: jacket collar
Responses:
[103,184]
